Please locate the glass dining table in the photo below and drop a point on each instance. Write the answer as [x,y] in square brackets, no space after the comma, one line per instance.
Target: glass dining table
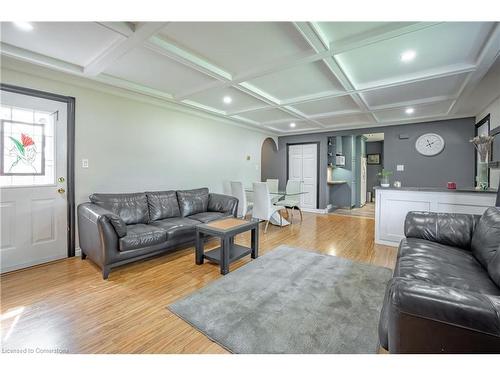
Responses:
[276,196]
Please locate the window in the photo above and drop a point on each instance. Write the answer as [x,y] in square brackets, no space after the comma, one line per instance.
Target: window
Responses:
[26,147]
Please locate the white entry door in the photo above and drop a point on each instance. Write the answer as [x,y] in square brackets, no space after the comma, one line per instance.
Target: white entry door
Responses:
[32,180]
[302,166]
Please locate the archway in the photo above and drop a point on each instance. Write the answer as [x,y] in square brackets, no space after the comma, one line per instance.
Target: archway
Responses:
[270,166]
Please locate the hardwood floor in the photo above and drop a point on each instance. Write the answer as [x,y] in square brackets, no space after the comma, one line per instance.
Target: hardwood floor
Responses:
[65,305]
[368,210]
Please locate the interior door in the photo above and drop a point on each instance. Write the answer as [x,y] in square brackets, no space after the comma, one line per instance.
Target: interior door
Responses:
[309,175]
[32,180]
[362,199]
[302,166]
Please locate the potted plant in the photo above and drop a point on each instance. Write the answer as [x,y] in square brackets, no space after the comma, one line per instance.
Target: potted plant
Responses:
[384,177]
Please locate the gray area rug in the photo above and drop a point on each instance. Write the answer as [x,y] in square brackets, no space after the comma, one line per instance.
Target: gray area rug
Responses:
[291,301]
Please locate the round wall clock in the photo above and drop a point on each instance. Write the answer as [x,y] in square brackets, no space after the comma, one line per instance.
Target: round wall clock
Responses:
[429,144]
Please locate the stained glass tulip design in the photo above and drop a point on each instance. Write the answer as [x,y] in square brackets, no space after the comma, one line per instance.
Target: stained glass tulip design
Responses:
[24,150]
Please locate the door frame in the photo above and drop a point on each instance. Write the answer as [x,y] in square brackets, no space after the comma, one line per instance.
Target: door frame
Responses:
[70,154]
[317,164]
[476,127]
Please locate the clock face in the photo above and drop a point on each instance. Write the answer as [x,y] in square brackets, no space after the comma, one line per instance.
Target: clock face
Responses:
[429,144]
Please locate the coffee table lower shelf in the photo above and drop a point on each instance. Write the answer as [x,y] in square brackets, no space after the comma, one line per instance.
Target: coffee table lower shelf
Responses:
[235,252]
[228,252]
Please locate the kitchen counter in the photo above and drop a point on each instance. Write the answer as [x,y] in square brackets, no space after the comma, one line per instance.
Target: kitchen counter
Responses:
[393,204]
[438,190]
[336,182]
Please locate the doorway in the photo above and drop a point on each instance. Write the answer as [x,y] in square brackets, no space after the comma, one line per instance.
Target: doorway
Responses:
[374,147]
[36,177]
[302,160]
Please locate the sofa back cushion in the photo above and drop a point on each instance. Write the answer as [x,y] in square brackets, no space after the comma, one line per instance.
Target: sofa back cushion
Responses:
[444,228]
[486,242]
[192,201]
[131,207]
[163,204]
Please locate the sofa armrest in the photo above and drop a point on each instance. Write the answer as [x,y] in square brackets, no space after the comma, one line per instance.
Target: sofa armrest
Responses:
[97,236]
[447,229]
[433,318]
[90,209]
[222,203]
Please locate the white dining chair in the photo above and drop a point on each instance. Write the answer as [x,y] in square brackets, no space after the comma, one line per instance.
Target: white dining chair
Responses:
[237,191]
[273,185]
[263,209]
[226,187]
[292,201]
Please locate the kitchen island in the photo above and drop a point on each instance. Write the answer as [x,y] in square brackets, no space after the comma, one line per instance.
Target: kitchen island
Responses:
[392,205]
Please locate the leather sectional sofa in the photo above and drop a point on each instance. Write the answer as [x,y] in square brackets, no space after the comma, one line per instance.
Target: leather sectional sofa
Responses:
[115,229]
[445,293]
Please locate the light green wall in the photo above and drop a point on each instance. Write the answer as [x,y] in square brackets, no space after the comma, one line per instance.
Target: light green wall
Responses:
[133,145]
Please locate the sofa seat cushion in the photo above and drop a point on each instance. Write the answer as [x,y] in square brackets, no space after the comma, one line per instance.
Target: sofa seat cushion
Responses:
[442,265]
[163,204]
[132,208]
[206,217]
[193,201]
[142,235]
[177,226]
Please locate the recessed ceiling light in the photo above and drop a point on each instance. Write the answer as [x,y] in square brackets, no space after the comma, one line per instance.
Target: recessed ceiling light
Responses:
[408,56]
[409,110]
[25,26]
[227,99]
[292,125]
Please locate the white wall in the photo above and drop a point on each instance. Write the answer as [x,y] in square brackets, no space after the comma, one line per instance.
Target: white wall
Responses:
[494,110]
[134,145]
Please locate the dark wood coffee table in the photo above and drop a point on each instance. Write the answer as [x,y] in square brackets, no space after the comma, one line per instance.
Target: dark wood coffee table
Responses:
[228,252]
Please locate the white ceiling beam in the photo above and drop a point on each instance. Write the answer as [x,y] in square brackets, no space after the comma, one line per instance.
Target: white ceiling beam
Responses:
[204,107]
[310,34]
[441,72]
[450,71]
[251,109]
[487,57]
[122,83]
[300,115]
[257,93]
[144,90]
[124,28]
[370,126]
[389,31]
[167,48]
[38,59]
[300,58]
[319,44]
[188,93]
[428,100]
[142,32]
[343,78]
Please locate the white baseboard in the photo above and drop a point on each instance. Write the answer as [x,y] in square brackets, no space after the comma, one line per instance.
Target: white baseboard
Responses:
[387,243]
[316,210]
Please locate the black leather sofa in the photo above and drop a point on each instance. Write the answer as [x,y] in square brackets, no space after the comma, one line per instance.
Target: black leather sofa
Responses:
[444,296]
[115,229]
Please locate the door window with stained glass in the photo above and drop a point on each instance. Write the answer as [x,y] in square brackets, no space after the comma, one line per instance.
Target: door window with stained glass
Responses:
[27,147]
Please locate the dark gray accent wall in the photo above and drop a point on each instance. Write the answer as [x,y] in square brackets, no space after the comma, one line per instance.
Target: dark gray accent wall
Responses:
[270,162]
[455,163]
[371,169]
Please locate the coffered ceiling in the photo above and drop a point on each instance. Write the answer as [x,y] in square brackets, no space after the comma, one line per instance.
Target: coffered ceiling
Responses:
[284,77]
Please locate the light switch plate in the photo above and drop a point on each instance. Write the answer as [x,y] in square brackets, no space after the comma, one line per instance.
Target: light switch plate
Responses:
[400,167]
[85,163]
